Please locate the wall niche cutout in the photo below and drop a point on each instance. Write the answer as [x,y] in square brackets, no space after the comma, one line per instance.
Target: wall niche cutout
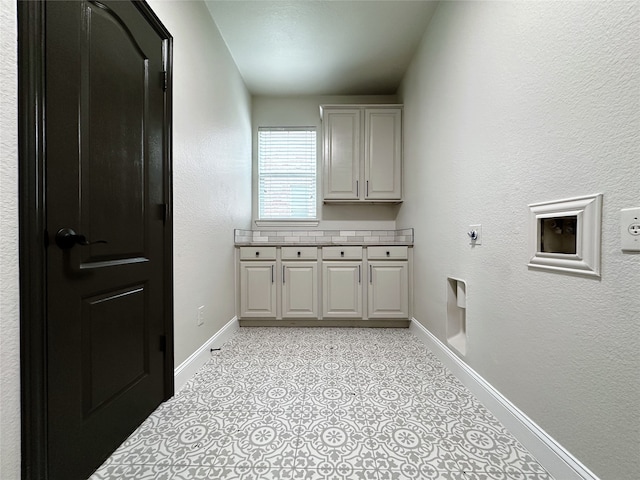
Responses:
[457,315]
[565,235]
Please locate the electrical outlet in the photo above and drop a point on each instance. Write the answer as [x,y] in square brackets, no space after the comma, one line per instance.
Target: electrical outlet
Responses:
[475,234]
[630,229]
[200,318]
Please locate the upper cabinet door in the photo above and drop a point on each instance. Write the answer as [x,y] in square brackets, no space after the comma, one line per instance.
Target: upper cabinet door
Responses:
[362,153]
[383,154]
[342,153]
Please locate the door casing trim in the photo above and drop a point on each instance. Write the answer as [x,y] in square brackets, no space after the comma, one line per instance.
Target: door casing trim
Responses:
[33,237]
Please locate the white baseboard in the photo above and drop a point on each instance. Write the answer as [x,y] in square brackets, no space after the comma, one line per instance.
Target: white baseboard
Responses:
[551,455]
[191,365]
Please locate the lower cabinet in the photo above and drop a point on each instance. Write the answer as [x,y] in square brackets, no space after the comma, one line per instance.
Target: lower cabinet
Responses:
[299,282]
[282,285]
[342,282]
[388,282]
[299,289]
[258,289]
[342,289]
[388,290]
[346,282]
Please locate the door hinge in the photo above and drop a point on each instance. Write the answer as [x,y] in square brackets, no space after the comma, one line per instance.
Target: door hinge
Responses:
[165,80]
[163,343]
[164,212]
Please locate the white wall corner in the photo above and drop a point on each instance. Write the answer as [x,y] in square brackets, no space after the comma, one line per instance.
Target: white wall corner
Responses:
[552,456]
[197,359]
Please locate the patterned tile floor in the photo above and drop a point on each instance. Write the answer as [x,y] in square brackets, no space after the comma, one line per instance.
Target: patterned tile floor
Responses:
[322,404]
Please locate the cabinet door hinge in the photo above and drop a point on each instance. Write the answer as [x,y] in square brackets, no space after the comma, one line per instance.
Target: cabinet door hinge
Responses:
[165,80]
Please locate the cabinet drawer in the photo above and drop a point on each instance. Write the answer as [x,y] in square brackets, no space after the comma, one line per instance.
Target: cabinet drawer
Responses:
[342,253]
[299,253]
[396,252]
[257,253]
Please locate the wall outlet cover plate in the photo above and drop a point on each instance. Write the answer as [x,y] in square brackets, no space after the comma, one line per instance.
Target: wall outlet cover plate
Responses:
[630,229]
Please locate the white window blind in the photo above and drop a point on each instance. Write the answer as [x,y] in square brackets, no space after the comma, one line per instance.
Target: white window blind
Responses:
[286,173]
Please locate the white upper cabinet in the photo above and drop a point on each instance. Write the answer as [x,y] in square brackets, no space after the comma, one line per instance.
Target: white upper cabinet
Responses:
[342,142]
[362,153]
[383,154]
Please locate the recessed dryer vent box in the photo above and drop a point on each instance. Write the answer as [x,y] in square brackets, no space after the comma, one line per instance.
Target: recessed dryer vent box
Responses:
[457,315]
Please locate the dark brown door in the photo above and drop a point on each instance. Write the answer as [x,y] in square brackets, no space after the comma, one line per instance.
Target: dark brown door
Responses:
[108,261]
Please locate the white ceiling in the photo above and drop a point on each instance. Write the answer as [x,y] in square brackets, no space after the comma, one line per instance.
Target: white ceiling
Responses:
[322,47]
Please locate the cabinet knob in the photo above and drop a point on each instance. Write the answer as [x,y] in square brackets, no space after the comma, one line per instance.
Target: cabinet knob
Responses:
[342,254]
[388,253]
[257,254]
[298,253]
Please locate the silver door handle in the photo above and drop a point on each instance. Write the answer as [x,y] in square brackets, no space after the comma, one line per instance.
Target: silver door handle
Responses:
[359,275]
[283,274]
[272,273]
[370,275]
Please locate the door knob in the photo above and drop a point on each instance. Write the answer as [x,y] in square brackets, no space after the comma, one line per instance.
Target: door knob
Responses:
[66,238]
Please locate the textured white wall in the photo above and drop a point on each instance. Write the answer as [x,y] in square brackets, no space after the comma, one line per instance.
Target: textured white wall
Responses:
[9,293]
[511,103]
[304,111]
[212,171]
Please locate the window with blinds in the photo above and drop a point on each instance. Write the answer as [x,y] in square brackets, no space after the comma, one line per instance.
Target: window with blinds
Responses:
[286,173]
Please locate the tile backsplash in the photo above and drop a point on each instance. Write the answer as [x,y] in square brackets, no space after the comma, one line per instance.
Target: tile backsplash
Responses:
[324,237]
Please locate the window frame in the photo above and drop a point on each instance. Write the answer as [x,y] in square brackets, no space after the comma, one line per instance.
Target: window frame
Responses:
[284,222]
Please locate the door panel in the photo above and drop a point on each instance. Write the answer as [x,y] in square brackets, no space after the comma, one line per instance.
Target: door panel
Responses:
[106,179]
[388,290]
[115,342]
[342,289]
[257,290]
[341,154]
[114,155]
[383,154]
[300,290]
